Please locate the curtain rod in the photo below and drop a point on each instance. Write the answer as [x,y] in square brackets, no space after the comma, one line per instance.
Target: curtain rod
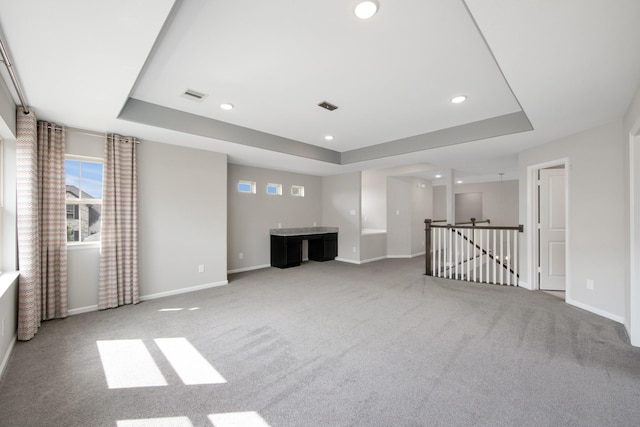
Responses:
[7,63]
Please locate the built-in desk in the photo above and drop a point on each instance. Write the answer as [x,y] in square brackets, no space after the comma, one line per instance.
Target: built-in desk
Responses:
[286,245]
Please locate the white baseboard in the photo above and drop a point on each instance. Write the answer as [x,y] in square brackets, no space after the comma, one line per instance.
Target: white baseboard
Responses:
[597,311]
[524,284]
[243,269]
[418,254]
[366,261]
[399,256]
[90,308]
[81,310]
[183,290]
[7,355]
[350,261]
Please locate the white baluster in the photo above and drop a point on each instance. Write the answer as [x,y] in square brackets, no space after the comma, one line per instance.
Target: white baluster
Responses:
[475,265]
[516,264]
[494,257]
[481,254]
[501,260]
[508,258]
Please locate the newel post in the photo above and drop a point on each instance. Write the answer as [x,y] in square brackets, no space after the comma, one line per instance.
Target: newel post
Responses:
[427,244]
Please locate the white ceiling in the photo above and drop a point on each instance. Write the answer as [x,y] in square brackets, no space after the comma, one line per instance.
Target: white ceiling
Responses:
[564,65]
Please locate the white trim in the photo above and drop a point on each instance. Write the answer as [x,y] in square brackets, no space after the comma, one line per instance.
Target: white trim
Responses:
[366,261]
[90,308]
[183,290]
[7,355]
[531,227]
[418,254]
[524,285]
[632,324]
[597,311]
[81,310]
[7,279]
[350,261]
[243,269]
[399,256]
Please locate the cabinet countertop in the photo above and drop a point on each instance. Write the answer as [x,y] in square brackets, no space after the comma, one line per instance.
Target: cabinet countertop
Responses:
[302,231]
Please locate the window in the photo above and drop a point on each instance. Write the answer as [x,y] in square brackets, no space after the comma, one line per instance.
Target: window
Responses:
[247,187]
[274,189]
[297,190]
[84,199]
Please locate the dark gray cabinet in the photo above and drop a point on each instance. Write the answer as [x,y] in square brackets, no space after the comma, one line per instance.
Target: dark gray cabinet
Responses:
[286,251]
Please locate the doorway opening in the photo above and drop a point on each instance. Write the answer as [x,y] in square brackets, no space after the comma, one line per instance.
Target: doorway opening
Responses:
[548,219]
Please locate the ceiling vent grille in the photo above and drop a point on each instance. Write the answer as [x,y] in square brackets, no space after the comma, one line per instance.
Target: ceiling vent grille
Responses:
[327,106]
[193,95]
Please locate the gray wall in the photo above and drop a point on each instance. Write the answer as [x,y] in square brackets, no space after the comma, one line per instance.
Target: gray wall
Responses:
[597,230]
[7,113]
[499,200]
[252,215]
[182,205]
[421,209]
[374,199]
[182,209]
[398,216]
[409,203]
[341,208]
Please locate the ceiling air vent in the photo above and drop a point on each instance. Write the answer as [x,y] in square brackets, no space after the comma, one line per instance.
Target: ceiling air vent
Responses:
[193,95]
[327,106]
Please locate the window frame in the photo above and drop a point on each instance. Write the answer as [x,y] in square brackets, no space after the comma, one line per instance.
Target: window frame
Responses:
[83,201]
[244,182]
[297,190]
[278,188]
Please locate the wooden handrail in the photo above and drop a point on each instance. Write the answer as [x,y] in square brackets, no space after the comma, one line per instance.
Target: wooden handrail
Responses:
[428,225]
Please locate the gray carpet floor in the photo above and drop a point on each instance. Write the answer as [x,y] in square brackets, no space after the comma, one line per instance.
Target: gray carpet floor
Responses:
[334,344]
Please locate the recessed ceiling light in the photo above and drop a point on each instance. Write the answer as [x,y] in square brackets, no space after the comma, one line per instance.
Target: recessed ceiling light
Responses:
[226,106]
[458,99]
[459,181]
[438,176]
[366,9]
[328,137]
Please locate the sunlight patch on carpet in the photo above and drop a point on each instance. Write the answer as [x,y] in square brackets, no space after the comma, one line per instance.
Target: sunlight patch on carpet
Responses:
[128,363]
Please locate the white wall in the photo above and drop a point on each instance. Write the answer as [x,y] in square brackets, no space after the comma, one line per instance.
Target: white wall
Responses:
[421,209]
[182,217]
[250,216]
[8,234]
[374,200]
[341,208]
[596,224]
[499,200]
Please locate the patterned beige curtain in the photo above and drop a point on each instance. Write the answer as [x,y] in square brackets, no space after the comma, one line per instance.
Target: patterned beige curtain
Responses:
[41,223]
[119,252]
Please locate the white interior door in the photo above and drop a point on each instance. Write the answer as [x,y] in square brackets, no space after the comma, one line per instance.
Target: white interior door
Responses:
[552,229]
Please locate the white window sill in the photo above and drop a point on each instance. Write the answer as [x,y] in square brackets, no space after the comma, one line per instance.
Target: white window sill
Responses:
[83,246]
[6,280]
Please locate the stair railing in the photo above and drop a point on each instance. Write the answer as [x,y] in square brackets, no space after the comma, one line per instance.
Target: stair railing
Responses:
[487,254]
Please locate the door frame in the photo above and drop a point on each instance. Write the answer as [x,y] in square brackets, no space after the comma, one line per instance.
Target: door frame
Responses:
[532,223]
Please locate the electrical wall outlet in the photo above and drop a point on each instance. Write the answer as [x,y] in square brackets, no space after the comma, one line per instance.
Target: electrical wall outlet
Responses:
[590,284]
[279,225]
[201,268]
[352,212]
[353,249]
[241,255]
